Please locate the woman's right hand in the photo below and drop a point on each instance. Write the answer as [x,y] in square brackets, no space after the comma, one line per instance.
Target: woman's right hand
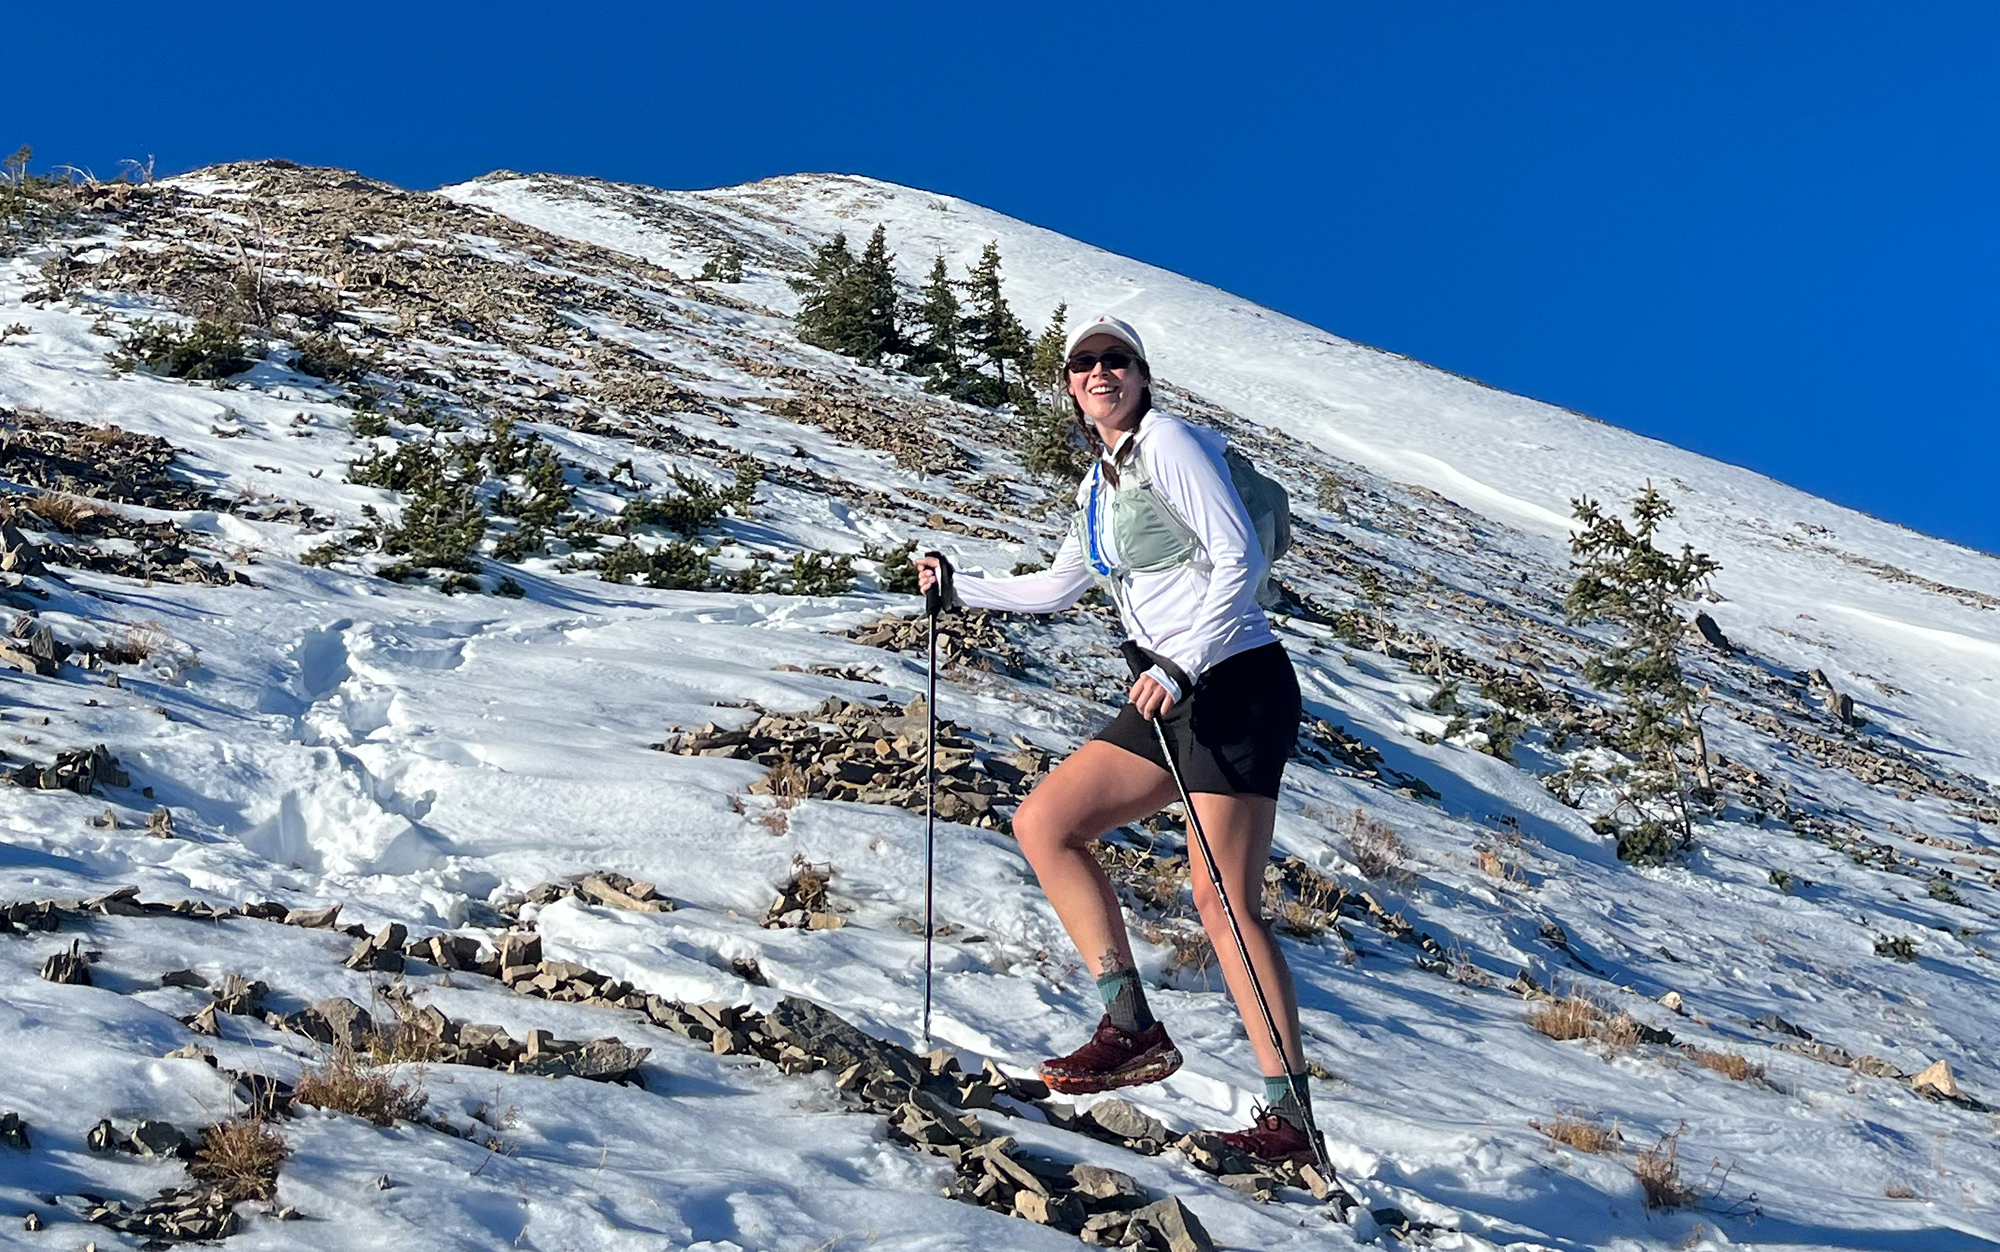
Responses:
[927,572]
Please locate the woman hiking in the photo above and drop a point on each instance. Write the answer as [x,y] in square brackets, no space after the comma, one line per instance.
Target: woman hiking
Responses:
[1221,685]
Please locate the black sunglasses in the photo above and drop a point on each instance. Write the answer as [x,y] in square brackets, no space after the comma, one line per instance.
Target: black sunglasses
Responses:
[1084,362]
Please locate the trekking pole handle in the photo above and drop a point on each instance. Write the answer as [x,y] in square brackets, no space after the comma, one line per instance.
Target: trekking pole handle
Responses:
[939,593]
[1135,658]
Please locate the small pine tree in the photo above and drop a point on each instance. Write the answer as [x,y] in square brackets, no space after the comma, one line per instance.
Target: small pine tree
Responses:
[1049,447]
[875,303]
[935,330]
[1045,366]
[850,305]
[724,267]
[1623,579]
[824,319]
[993,335]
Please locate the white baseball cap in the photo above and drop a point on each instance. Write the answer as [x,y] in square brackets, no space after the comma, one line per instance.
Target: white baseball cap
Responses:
[1105,325]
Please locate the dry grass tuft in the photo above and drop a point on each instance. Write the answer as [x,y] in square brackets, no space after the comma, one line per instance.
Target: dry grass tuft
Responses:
[64,512]
[343,1084]
[1620,1030]
[1193,950]
[1158,881]
[240,1158]
[1497,867]
[1300,900]
[1583,1136]
[1726,1063]
[1465,973]
[401,1044]
[789,780]
[1376,850]
[808,884]
[1571,1017]
[1658,1169]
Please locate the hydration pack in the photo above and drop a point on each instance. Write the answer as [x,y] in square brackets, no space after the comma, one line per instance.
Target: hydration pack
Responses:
[1153,538]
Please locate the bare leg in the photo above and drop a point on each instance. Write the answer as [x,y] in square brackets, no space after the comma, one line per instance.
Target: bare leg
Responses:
[1099,788]
[1239,833]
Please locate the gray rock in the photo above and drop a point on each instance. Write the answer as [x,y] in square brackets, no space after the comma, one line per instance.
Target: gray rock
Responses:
[70,968]
[343,1022]
[156,1138]
[1771,1021]
[1116,1117]
[835,1043]
[1099,1183]
[482,1037]
[237,994]
[1180,1229]
[1064,1212]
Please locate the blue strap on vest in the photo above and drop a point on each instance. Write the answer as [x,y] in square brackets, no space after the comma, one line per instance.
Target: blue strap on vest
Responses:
[1097,561]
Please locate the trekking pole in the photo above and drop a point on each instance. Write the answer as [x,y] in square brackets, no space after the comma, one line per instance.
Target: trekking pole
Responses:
[934,601]
[1136,660]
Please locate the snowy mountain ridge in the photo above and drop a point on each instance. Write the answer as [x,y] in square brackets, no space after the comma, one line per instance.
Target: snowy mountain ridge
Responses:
[317,734]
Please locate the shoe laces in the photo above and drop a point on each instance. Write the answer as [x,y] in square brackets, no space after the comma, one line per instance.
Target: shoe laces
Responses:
[1265,1117]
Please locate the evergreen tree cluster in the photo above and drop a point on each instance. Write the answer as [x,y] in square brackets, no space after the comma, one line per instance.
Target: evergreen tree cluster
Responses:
[850,305]
[1624,580]
[959,335]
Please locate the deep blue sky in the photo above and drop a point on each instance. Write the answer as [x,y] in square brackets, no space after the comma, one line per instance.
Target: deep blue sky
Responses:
[1766,232]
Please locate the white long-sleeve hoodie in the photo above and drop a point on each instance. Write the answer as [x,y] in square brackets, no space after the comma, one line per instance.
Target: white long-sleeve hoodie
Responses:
[1196,615]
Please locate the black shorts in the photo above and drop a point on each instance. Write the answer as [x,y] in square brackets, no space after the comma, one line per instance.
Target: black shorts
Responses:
[1234,734]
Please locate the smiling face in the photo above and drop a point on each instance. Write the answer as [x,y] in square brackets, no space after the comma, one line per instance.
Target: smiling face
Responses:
[1109,398]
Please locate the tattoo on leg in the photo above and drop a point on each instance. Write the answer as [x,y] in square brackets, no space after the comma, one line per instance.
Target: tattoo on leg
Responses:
[1112,963]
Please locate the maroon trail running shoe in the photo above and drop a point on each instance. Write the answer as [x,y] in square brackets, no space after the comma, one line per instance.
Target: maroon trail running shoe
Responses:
[1114,1058]
[1273,1138]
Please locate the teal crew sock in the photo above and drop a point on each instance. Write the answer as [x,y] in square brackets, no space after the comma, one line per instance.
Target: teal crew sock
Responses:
[1278,1097]
[1125,1000]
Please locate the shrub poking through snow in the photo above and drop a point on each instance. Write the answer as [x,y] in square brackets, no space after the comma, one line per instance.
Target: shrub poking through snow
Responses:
[675,566]
[1659,1172]
[326,356]
[1300,900]
[803,902]
[1571,1017]
[1572,1132]
[695,505]
[205,351]
[240,1158]
[1579,1017]
[725,266]
[899,571]
[1376,850]
[344,1084]
[58,509]
[1728,1064]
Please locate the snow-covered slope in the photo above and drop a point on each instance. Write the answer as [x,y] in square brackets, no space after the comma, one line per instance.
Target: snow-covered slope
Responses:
[1520,462]
[319,734]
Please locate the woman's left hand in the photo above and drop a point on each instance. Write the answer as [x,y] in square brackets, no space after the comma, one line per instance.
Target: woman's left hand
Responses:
[1149,697]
